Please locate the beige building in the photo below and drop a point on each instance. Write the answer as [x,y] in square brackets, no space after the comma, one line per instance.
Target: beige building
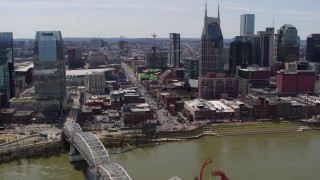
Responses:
[95,82]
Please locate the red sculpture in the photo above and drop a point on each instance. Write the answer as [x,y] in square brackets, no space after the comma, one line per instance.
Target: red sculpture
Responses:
[213,173]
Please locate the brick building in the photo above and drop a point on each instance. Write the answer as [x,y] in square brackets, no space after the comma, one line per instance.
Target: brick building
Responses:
[218,86]
[295,82]
[135,114]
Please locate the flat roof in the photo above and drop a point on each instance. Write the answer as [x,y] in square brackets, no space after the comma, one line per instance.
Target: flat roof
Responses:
[24,68]
[140,110]
[82,72]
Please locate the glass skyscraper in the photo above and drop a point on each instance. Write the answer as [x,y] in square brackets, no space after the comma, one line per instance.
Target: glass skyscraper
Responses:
[246,24]
[211,59]
[287,44]
[49,67]
[7,82]
[175,50]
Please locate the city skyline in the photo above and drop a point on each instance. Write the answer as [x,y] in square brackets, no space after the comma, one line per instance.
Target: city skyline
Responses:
[138,19]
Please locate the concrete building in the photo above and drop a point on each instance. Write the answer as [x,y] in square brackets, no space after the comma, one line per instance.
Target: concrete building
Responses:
[95,82]
[49,67]
[240,54]
[291,82]
[287,44]
[7,80]
[97,60]
[77,77]
[199,110]
[253,77]
[175,52]
[217,87]
[246,24]
[211,59]
[313,48]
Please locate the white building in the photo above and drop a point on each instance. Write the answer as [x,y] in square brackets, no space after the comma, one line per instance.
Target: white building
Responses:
[95,82]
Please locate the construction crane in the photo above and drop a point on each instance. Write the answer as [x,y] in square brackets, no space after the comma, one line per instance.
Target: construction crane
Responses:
[121,37]
[154,37]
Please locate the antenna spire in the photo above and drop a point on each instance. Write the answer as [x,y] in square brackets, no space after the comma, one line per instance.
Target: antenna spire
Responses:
[219,10]
[273,21]
[206,14]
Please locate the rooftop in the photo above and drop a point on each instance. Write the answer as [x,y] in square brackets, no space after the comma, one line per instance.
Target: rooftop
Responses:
[82,72]
[7,110]
[24,68]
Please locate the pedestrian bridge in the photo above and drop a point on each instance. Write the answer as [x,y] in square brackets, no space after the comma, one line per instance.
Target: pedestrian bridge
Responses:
[93,151]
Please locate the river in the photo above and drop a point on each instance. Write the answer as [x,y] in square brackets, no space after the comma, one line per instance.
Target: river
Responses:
[293,156]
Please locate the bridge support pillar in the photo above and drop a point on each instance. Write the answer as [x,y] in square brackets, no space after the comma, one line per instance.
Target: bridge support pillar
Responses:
[74,155]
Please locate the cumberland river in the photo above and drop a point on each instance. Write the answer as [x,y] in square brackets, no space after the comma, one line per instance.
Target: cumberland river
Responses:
[293,156]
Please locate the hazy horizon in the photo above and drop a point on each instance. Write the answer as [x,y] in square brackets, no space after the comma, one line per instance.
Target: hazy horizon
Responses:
[140,18]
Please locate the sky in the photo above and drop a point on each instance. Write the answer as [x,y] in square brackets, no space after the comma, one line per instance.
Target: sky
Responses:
[141,18]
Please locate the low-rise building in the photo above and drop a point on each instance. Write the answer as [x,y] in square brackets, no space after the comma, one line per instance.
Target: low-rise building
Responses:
[292,82]
[217,87]
[133,114]
[23,117]
[252,77]
[6,115]
[199,109]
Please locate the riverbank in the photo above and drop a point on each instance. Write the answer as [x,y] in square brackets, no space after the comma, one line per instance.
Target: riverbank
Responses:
[38,151]
[238,129]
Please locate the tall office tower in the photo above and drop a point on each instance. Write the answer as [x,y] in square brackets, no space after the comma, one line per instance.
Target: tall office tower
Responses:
[313,48]
[156,59]
[49,67]
[211,46]
[7,80]
[255,53]
[240,54]
[175,50]
[123,47]
[287,44]
[266,47]
[191,68]
[6,47]
[246,24]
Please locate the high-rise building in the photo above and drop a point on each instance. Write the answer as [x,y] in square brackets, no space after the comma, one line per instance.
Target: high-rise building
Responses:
[123,47]
[313,48]
[156,59]
[175,50]
[49,67]
[246,24]
[75,58]
[287,44]
[191,68]
[7,80]
[240,53]
[255,53]
[95,82]
[211,59]
[266,47]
